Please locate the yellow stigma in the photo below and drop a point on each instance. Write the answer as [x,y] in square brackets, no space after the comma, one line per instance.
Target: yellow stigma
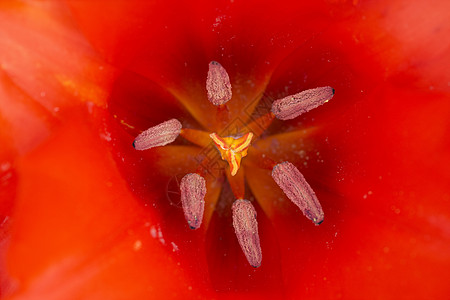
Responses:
[232,149]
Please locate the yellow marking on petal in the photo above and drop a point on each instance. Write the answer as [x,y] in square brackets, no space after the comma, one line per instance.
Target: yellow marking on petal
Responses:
[233,149]
[126,124]
[84,90]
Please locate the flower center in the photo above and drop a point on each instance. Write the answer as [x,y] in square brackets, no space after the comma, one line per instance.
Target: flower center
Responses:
[232,149]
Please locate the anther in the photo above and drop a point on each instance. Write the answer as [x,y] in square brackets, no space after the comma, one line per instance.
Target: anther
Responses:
[293,106]
[218,84]
[193,191]
[294,185]
[159,135]
[246,229]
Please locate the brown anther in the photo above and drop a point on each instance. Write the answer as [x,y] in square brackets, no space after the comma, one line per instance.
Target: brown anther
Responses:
[159,135]
[193,191]
[293,106]
[246,229]
[218,84]
[294,185]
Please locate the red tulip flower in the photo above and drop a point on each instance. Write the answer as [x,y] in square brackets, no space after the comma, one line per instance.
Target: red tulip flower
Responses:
[84,215]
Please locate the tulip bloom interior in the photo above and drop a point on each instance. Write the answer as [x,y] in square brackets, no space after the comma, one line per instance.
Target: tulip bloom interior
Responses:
[210,93]
[233,144]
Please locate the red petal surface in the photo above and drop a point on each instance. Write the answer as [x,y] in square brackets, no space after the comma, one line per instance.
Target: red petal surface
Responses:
[85,216]
[85,235]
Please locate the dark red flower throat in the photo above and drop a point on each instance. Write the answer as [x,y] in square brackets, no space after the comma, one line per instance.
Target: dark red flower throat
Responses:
[233,144]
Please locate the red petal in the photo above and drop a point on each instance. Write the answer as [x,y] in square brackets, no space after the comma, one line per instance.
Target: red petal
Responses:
[74,235]
[378,160]
[173,43]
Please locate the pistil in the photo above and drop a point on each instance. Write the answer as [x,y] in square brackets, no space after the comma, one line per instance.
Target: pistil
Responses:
[232,149]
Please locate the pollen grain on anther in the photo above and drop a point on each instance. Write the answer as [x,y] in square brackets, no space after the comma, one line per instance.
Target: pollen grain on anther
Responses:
[246,229]
[293,106]
[294,185]
[159,135]
[193,191]
[218,84]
